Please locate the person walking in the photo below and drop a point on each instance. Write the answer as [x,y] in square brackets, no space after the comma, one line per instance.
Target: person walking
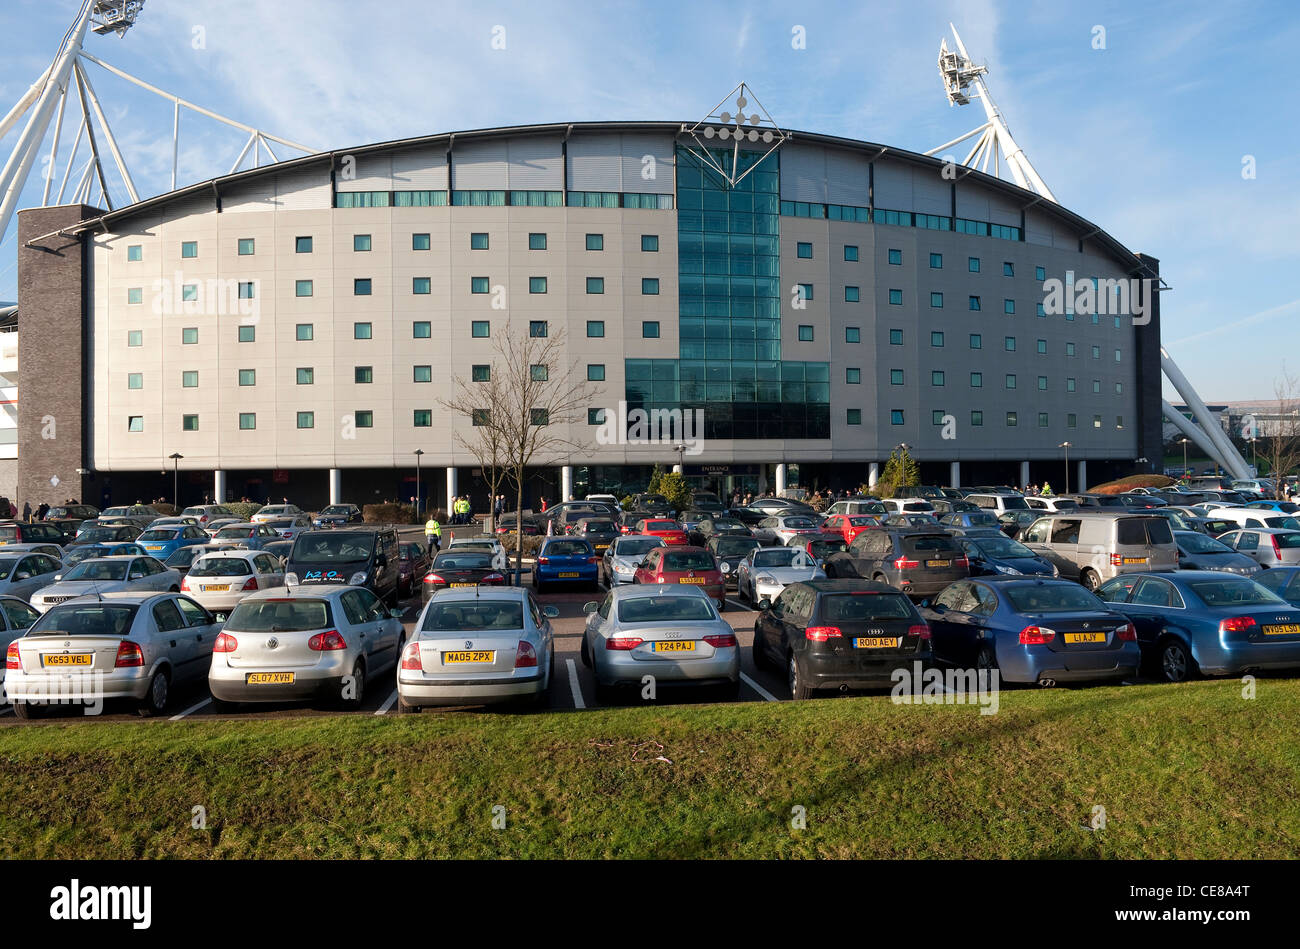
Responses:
[433,534]
[27,511]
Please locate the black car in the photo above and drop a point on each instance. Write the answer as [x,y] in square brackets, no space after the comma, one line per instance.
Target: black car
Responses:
[79,512]
[457,568]
[105,534]
[600,532]
[919,562]
[747,515]
[652,505]
[841,634]
[336,515]
[729,550]
[413,566]
[707,501]
[363,557]
[720,525]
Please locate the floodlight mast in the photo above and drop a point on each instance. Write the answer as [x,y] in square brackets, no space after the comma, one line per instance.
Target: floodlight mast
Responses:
[963,81]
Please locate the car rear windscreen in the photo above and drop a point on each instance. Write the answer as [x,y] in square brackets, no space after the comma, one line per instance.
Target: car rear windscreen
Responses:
[280,616]
[689,560]
[332,547]
[864,607]
[567,548]
[664,609]
[85,619]
[98,570]
[473,616]
[1014,504]
[1052,598]
[221,567]
[1287,541]
[633,546]
[1235,592]
[930,543]
[463,561]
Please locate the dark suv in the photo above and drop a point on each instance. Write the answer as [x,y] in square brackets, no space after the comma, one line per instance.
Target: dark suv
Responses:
[652,505]
[840,634]
[918,562]
[363,557]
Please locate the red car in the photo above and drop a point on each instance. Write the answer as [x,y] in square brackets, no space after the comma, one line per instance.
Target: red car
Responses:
[691,565]
[849,526]
[670,531]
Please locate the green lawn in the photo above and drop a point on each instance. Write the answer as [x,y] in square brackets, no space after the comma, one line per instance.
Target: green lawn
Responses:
[1182,771]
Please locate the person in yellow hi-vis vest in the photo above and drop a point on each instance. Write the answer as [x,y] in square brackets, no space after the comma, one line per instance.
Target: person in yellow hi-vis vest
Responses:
[433,533]
[1047,489]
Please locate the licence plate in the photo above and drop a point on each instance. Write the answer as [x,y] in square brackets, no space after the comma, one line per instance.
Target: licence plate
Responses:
[690,579]
[477,655]
[67,659]
[1288,630]
[1072,639]
[268,678]
[216,587]
[938,563]
[684,645]
[153,547]
[565,576]
[1135,559]
[462,584]
[875,642]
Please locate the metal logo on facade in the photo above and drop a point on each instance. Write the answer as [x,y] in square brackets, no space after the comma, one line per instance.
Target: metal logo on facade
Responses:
[721,125]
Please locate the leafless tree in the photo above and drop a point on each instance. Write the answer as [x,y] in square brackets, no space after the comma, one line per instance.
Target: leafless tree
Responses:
[1283,451]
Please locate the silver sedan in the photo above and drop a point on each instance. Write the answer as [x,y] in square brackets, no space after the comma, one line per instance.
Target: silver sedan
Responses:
[108,574]
[779,530]
[673,634]
[765,572]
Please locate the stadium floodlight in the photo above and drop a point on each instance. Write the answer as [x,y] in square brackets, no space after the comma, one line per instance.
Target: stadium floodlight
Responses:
[115,16]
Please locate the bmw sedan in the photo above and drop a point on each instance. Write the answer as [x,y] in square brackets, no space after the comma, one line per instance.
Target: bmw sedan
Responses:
[1199,621]
[673,633]
[477,647]
[999,554]
[1035,630]
[108,574]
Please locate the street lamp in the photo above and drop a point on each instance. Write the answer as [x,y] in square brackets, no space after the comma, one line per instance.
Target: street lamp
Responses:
[1254,458]
[418,453]
[1185,440]
[1066,446]
[176,477]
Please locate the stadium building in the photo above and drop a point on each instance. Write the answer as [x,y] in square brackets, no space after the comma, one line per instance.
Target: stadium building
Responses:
[292,330]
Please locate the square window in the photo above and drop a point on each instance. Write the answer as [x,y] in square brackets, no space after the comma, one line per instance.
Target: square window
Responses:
[1071,421]
[538,417]
[850,252]
[974,303]
[936,416]
[1042,383]
[1117,355]
[650,243]
[852,334]
[895,256]
[1040,310]
[1012,420]
[306,376]
[595,284]
[422,418]
[302,245]
[190,335]
[362,331]
[135,423]
[302,288]
[537,242]
[478,284]
[1069,349]
[1069,384]
[420,285]
[478,241]
[595,329]
[1119,421]
[936,261]
[363,375]
[361,287]
[805,291]
[1009,306]
[1009,343]
[1040,274]
[538,329]
[976,341]
[306,419]
[896,297]
[419,242]
[936,377]
[364,419]
[536,284]
[539,373]
[135,380]
[422,374]
[895,337]
[189,249]
[1096,386]
[247,290]
[360,243]
[936,300]
[895,377]
[1042,347]
[246,245]
[977,380]
[248,377]
[973,264]
[480,373]
[936,338]
[1010,382]
[480,417]
[805,333]
[135,252]
[479,329]
[189,423]
[421,329]
[895,416]
[804,249]
[190,293]
[1008,269]
[596,372]
[247,421]
[1119,388]
[305,332]
[976,418]
[1096,352]
[1042,420]
[595,416]
[853,416]
[853,376]
[650,329]
[650,286]
[1096,421]
[851,295]
[595,242]
[135,295]
[190,379]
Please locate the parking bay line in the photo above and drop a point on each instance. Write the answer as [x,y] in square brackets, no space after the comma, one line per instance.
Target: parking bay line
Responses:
[190,710]
[388,704]
[574,686]
[740,606]
[767,696]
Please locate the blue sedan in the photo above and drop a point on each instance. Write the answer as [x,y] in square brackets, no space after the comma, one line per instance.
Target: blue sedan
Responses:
[1201,621]
[1284,581]
[161,542]
[565,561]
[1031,630]
[999,554]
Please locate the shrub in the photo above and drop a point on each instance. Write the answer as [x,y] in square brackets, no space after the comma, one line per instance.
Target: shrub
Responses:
[166,510]
[389,512]
[243,509]
[532,544]
[1132,481]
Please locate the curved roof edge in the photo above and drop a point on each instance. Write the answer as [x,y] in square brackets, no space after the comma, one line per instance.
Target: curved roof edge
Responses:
[1023,197]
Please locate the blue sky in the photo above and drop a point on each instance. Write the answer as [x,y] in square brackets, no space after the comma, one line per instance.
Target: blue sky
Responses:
[1146,137]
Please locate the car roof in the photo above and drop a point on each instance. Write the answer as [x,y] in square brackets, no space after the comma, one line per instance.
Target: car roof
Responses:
[481,593]
[639,591]
[132,596]
[1265,530]
[241,553]
[847,585]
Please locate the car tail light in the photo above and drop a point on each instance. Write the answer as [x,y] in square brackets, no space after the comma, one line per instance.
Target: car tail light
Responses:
[525,655]
[1127,633]
[185,583]
[903,563]
[250,584]
[433,578]
[543,559]
[11,656]
[128,654]
[225,643]
[819,634]
[921,631]
[1116,560]
[623,642]
[411,657]
[593,560]
[326,642]
[963,562]
[1036,636]
[494,578]
[1237,624]
[722,641]
[1277,551]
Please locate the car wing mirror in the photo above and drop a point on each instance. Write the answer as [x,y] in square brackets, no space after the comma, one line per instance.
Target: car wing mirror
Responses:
[764,604]
[588,607]
[551,612]
[395,613]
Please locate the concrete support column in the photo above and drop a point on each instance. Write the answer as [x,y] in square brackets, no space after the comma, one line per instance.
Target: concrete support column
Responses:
[336,486]
[954,474]
[1082,477]
[780,479]
[452,490]
[566,482]
[1024,475]
[218,487]
[873,475]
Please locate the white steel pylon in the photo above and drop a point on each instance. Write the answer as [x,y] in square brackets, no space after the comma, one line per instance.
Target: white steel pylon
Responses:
[963,81]
[48,99]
